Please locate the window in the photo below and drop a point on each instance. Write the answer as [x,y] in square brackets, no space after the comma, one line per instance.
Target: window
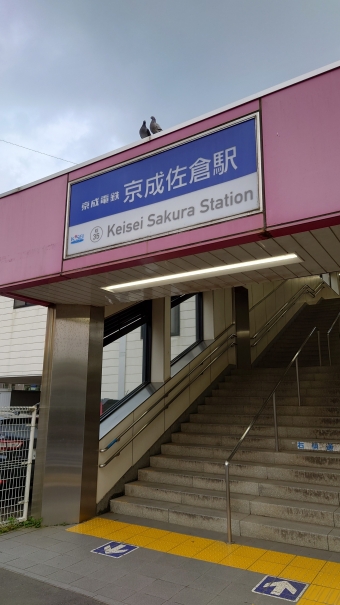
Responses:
[18,304]
[126,355]
[186,324]
[175,321]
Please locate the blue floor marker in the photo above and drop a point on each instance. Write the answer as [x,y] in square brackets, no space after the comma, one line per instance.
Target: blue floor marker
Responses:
[114,549]
[280,588]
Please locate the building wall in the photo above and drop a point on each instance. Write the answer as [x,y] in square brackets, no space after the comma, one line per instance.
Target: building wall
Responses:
[187,333]
[22,338]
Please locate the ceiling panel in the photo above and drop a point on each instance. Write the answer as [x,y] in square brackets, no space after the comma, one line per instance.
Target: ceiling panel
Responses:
[320,251]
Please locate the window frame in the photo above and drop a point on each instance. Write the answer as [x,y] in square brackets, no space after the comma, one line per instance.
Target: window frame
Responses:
[121,324]
[175,302]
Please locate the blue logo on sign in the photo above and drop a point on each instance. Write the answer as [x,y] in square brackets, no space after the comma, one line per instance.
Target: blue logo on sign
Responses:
[281,588]
[76,239]
[114,549]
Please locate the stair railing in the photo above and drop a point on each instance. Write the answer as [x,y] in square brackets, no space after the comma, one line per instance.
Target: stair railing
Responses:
[272,396]
[328,337]
[306,289]
[165,395]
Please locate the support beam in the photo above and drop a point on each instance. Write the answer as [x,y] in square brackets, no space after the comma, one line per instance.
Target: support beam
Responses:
[65,482]
[242,327]
[161,340]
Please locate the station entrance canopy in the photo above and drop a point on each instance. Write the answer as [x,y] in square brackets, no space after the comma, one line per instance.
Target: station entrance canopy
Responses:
[254,181]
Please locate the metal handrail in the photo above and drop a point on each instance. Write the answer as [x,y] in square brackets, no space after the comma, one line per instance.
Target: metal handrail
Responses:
[166,405]
[246,432]
[328,339]
[283,310]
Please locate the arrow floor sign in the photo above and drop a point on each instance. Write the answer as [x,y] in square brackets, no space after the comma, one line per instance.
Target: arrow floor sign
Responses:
[289,590]
[114,549]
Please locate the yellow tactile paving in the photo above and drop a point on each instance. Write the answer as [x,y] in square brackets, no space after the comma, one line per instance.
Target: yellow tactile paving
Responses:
[271,556]
[300,574]
[304,601]
[216,552]
[190,547]
[326,596]
[307,563]
[262,567]
[240,562]
[323,576]
[155,533]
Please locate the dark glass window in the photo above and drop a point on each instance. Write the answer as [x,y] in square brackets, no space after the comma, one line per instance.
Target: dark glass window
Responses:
[126,355]
[18,304]
[186,324]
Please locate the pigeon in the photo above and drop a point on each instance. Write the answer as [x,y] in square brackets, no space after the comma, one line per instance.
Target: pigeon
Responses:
[154,127]
[144,131]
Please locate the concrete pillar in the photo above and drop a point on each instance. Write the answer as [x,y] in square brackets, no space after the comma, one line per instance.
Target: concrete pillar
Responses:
[65,479]
[161,340]
[242,327]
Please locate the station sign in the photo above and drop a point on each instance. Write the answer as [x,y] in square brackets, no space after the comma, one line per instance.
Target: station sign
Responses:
[211,178]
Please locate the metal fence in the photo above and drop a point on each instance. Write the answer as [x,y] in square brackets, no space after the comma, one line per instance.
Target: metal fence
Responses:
[18,427]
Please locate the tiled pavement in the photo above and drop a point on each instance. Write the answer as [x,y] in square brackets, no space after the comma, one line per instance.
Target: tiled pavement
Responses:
[151,576]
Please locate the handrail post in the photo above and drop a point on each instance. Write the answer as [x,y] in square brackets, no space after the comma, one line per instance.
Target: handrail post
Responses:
[319,347]
[297,379]
[227,485]
[329,349]
[275,424]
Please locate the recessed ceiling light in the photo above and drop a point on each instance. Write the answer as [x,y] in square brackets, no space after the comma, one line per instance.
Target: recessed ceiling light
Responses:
[251,265]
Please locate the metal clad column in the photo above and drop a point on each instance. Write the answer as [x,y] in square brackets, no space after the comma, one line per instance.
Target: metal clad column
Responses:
[161,340]
[242,327]
[65,482]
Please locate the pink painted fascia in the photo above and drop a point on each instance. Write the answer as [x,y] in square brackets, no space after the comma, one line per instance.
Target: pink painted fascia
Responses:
[179,244]
[301,150]
[32,231]
[253,231]
[153,144]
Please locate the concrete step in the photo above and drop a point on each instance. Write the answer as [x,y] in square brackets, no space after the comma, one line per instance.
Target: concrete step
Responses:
[226,390]
[290,532]
[229,441]
[300,457]
[305,512]
[266,419]
[248,468]
[300,433]
[191,496]
[317,369]
[285,490]
[303,410]
[180,514]
[267,528]
[281,400]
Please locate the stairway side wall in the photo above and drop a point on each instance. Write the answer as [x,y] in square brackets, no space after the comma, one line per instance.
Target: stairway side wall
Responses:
[265,310]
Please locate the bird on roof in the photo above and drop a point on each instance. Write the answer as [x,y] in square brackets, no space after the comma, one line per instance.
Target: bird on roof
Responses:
[144,131]
[154,127]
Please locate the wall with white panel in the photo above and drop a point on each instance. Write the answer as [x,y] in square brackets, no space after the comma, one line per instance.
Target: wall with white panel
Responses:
[22,339]
[187,331]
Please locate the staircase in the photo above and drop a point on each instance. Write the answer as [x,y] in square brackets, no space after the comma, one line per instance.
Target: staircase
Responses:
[292,496]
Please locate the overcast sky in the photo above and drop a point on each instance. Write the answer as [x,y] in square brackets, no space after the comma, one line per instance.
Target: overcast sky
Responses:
[77,77]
